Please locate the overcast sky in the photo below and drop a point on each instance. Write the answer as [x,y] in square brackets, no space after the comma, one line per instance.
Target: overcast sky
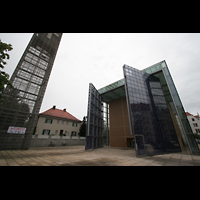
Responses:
[84,58]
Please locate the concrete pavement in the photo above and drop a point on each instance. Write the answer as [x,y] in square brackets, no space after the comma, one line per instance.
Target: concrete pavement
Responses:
[77,156]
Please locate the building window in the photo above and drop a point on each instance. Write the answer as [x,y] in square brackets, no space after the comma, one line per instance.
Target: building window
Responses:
[56,132]
[195,125]
[49,121]
[61,132]
[65,133]
[63,122]
[193,119]
[74,124]
[73,133]
[66,122]
[45,132]
[58,121]
[197,130]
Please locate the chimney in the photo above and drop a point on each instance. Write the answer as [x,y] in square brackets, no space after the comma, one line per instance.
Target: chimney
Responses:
[64,109]
[54,107]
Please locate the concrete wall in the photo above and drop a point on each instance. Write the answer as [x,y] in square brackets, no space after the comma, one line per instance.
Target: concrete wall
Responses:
[44,140]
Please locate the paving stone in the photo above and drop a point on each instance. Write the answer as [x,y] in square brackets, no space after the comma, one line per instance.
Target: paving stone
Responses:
[140,164]
[13,164]
[186,164]
[171,164]
[155,164]
[2,161]
[196,163]
[77,156]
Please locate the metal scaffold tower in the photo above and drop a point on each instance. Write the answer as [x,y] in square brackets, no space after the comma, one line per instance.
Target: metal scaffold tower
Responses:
[21,104]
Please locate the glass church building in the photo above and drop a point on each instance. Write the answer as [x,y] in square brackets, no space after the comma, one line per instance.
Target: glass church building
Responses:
[142,110]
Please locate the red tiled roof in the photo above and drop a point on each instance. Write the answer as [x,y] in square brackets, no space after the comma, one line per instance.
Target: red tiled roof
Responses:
[187,113]
[59,113]
[197,116]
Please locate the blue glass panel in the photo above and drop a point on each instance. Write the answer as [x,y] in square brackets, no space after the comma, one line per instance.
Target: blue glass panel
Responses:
[99,142]
[88,143]
[94,119]
[91,129]
[140,145]
[151,122]
[95,143]
[95,130]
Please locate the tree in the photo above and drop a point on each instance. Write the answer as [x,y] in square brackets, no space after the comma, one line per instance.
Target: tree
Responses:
[82,130]
[15,111]
[4,77]
[197,136]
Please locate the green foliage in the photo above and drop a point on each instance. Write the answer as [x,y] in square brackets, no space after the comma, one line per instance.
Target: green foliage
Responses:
[4,48]
[197,136]
[16,111]
[82,130]
[4,77]
[13,107]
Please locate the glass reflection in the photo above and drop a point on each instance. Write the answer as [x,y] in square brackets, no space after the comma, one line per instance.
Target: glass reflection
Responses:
[151,121]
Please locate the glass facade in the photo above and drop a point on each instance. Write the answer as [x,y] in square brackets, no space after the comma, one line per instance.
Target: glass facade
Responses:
[109,93]
[156,115]
[22,103]
[161,71]
[94,119]
[112,86]
[151,122]
[105,131]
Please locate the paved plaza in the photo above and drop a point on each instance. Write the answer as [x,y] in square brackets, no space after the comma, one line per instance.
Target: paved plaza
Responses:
[77,156]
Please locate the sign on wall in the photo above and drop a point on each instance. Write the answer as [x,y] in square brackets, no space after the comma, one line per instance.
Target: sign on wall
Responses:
[19,130]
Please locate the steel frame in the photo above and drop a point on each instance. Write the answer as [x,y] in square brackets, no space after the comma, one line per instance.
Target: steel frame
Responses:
[21,104]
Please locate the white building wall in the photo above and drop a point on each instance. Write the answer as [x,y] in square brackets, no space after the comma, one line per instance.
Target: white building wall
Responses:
[194,123]
[63,124]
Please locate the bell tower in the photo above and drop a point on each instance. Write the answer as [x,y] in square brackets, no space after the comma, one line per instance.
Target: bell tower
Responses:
[21,104]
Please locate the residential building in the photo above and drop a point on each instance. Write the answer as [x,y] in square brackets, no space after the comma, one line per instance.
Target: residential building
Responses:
[143,108]
[194,121]
[57,122]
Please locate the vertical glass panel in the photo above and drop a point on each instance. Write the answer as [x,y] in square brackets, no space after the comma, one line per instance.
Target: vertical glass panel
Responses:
[163,64]
[172,97]
[151,122]
[186,125]
[194,145]
[88,142]
[158,67]
[177,100]
[94,119]
[153,69]
[166,71]
[140,147]
[181,112]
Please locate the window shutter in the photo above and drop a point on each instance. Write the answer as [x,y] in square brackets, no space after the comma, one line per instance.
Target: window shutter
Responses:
[46,120]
